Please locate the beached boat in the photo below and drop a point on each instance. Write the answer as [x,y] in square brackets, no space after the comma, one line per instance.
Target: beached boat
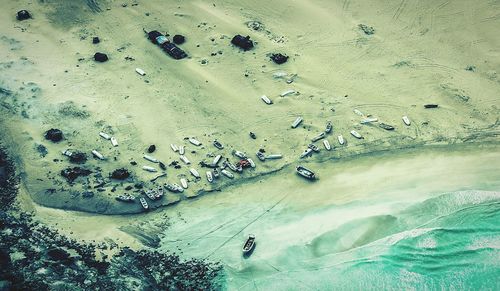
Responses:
[67,153]
[313,147]
[114,141]
[149,169]
[239,154]
[358,112]
[97,155]
[174,147]
[140,71]
[356,134]
[159,192]
[173,188]
[104,135]
[261,156]
[249,244]
[252,163]
[318,137]
[210,177]
[218,145]
[406,120]
[274,157]
[178,187]
[184,159]
[341,139]
[151,159]
[216,160]
[327,145]
[297,121]
[306,173]
[369,120]
[195,173]
[227,174]
[173,50]
[252,135]
[386,126]
[328,127]
[216,173]
[230,165]
[266,99]
[150,194]
[194,141]
[430,106]
[181,150]
[306,153]
[125,198]
[184,183]
[287,92]
[144,204]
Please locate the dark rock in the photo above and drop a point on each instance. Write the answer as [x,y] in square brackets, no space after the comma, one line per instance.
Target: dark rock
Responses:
[430,106]
[96,40]
[100,57]
[88,194]
[120,174]
[23,15]
[78,158]
[139,185]
[151,148]
[72,173]
[179,39]
[128,188]
[242,42]
[279,58]
[54,135]
[262,150]
[133,163]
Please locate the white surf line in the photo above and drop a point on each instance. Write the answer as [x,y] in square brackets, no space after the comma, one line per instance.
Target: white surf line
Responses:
[248,224]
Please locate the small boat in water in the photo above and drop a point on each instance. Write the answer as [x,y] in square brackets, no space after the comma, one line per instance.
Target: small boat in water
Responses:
[218,145]
[406,120]
[341,139]
[194,141]
[386,126]
[327,145]
[306,173]
[329,127]
[297,121]
[144,204]
[356,134]
[249,245]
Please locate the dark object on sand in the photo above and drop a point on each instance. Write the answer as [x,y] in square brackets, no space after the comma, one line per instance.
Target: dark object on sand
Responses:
[174,51]
[151,148]
[120,174]
[242,42]
[152,35]
[162,166]
[179,39]
[72,173]
[279,58]
[54,135]
[367,29]
[88,194]
[249,245]
[386,126]
[100,57]
[430,106]
[78,158]
[96,40]
[57,254]
[23,15]
[252,135]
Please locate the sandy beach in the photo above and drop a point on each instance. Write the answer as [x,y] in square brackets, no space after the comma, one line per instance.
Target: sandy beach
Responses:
[348,61]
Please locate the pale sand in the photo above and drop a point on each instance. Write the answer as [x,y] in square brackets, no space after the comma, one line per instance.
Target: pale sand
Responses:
[417,55]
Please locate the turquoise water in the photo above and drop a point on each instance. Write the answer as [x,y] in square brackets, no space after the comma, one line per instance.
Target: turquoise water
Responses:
[448,242]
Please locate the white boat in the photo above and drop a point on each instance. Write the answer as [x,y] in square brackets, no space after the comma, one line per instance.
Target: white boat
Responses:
[227,174]
[114,142]
[328,127]
[305,172]
[356,134]
[216,160]
[341,139]
[218,145]
[179,188]
[184,159]
[266,99]
[140,71]
[216,173]
[287,92]
[369,120]
[274,157]
[239,154]
[406,120]
[151,159]
[327,145]
[249,245]
[98,155]
[194,141]
[306,153]
[67,153]
[358,112]
[313,147]
[174,147]
[105,135]
[144,204]
[184,183]
[210,177]
[297,121]
[181,149]
[318,137]
[194,173]
[252,163]
[260,156]
[149,169]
